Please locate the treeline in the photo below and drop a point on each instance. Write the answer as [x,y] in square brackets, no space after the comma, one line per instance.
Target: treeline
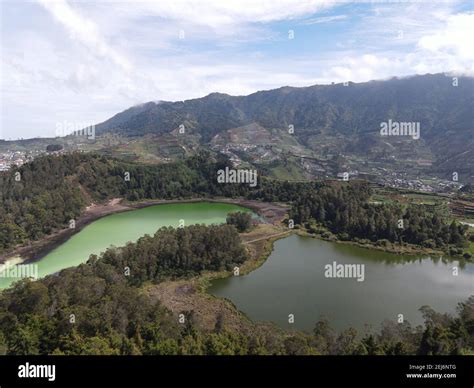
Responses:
[103,308]
[41,196]
[177,252]
[38,198]
[345,210]
[442,334]
[44,195]
[98,307]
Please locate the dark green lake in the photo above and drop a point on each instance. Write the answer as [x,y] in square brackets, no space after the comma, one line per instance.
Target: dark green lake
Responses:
[292,281]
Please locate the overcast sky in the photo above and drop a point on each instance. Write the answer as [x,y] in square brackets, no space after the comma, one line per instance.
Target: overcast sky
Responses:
[81,62]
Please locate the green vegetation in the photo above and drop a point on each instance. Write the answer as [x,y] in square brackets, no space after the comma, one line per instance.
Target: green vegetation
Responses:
[345,211]
[101,308]
[284,169]
[38,198]
[339,119]
[54,147]
[46,194]
[177,252]
[241,220]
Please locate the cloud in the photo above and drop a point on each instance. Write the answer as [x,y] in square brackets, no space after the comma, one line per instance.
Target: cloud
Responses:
[83,30]
[433,40]
[324,19]
[218,13]
[453,42]
[84,61]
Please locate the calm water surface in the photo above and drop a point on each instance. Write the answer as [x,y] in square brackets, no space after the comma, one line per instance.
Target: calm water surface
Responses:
[120,228]
[292,281]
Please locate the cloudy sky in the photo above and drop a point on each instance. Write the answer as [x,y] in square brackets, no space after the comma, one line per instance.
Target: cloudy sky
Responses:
[81,62]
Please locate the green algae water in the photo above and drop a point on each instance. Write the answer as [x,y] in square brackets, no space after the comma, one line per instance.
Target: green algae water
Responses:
[293,281]
[120,228]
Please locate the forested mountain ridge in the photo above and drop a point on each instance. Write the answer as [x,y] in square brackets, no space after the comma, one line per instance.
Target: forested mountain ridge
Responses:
[356,108]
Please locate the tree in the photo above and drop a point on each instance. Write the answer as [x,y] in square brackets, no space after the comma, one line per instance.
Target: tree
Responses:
[241,220]
[54,147]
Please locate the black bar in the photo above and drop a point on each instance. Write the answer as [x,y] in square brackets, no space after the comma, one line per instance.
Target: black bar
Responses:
[381,371]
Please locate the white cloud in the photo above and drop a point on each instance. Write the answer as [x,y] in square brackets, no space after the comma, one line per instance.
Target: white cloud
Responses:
[416,41]
[83,29]
[84,61]
[454,40]
[324,19]
[218,13]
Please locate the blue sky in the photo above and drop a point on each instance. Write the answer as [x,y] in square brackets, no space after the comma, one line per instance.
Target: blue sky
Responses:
[81,62]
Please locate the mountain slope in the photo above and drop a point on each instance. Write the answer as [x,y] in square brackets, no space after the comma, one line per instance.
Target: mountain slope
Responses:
[345,118]
[430,99]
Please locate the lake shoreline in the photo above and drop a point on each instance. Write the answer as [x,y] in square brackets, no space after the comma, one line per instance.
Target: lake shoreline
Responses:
[270,283]
[271,213]
[410,250]
[36,250]
[257,260]
[259,251]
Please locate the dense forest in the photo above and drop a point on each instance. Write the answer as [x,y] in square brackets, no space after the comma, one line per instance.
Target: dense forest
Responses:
[47,193]
[345,211]
[176,252]
[101,308]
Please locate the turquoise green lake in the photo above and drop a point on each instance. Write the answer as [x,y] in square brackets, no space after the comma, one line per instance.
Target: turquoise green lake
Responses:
[120,228]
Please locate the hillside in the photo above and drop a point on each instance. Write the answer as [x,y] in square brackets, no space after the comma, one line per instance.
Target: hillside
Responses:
[305,133]
[353,109]
[330,119]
